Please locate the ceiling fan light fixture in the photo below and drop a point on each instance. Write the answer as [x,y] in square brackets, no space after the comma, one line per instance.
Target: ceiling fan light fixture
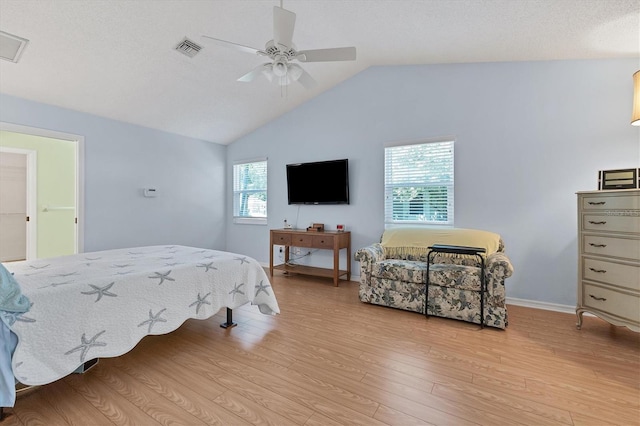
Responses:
[295,71]
[279,67]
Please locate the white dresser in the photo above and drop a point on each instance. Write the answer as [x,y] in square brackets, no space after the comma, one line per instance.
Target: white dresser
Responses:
[609,256]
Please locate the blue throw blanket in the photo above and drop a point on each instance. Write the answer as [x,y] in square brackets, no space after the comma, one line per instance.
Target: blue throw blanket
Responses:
[11,300]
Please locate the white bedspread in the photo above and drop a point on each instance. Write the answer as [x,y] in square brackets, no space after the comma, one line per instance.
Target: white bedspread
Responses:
[101,304]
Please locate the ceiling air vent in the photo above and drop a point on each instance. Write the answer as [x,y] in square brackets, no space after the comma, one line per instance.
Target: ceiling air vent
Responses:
[188,47]
[11,46]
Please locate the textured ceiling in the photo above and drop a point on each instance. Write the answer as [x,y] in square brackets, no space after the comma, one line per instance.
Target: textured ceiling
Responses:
[115,58]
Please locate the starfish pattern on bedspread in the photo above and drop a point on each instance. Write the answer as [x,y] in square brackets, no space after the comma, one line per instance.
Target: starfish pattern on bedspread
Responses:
[126,265]
[68,274]
[86,345]
[38,267]
[242,260]
[162,276]
[207,266]
[100,291]
[153,319]
[262,287]
[57,284]
[11,317]
[236,290]
[201,301]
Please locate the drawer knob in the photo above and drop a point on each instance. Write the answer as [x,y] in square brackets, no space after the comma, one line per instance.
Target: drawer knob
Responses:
[593,222]
[601,299]
[600,271]
[597,245]
[597,203]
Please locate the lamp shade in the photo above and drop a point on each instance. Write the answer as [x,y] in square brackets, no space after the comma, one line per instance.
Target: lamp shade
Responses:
[635,115]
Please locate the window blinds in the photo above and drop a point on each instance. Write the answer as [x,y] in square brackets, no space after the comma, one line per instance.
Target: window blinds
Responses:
[250,190]
[418,183]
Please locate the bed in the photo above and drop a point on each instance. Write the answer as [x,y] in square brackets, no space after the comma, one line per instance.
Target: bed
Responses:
[101,304]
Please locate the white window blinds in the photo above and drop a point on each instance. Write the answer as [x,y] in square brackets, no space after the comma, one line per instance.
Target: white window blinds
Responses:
[250,192]
[418,184]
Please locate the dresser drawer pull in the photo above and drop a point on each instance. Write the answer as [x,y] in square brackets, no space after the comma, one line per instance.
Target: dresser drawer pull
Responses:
[597,203]
[602,222]
[597,245]
[600,271]
[601,299]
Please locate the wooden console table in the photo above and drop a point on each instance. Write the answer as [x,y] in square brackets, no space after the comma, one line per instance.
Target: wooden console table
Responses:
[328,240]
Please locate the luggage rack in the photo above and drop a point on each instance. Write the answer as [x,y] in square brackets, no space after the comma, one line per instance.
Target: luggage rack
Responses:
[473,251]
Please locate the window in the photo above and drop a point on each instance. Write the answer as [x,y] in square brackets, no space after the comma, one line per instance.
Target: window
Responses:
[250,192]
[418,184]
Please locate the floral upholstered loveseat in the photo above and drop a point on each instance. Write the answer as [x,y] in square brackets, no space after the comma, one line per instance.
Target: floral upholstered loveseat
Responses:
[393,272]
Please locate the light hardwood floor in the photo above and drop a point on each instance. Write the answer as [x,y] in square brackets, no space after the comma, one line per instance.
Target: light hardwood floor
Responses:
[329,359]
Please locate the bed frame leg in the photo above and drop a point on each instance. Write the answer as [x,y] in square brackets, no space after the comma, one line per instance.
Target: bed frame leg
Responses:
[229,323]
[1,413]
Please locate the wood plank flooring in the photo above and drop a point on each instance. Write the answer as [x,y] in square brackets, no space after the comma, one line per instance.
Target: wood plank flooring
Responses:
[329,359]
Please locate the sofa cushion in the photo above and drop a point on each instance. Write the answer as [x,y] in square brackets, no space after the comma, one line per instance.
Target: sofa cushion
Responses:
[414,243]
[400,270]
[455,276]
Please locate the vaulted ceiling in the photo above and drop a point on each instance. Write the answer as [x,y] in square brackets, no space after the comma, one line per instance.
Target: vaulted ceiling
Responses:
[117,58]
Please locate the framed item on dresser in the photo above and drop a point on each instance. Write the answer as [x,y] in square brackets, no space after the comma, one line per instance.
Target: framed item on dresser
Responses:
[619,179]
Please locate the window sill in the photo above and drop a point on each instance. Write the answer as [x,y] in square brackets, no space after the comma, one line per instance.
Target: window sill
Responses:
[250,220]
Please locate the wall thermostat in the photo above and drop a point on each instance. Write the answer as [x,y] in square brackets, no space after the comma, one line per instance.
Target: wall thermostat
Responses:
[150,192]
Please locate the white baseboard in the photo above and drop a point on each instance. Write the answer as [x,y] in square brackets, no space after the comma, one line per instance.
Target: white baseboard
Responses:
[555,307]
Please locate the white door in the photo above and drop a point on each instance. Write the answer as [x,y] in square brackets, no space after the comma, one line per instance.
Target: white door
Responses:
[13,206]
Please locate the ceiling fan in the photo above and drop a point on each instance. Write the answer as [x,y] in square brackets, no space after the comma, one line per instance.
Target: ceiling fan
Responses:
[282,69]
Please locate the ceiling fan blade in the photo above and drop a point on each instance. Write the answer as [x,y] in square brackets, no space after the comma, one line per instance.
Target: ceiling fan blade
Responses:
[306,80]
[284,22]
[260,69]
[327,55]
[236,46]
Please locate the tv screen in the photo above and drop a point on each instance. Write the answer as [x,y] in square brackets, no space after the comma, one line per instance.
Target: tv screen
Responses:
[322,182]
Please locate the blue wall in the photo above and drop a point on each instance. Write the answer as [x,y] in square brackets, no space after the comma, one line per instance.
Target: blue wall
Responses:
[121,159]
[528,136]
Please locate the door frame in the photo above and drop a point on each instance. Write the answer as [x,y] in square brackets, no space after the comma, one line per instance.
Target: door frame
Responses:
[32,198]
[79,184]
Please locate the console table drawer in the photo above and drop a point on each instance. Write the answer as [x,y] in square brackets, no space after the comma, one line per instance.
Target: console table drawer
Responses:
[300,240]
[627,276]
[594,222]
[609,202]
[626,248]
[283,239]
[607,300]
[323,241]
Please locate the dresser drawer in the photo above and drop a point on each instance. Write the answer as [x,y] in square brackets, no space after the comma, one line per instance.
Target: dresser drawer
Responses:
[626,248]
[299,240]
[323,241]
[613,302]
[281,239]
[627,276]
[617,202]
[595,222]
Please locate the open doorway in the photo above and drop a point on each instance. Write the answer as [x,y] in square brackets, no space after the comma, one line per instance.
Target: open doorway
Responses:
[51,224]
[17,204]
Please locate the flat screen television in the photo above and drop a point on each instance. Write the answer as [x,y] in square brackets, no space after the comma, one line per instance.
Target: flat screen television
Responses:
[321,182]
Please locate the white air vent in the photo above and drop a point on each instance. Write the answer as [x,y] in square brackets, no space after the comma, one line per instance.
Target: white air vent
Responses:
[188,47]
[11,46]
